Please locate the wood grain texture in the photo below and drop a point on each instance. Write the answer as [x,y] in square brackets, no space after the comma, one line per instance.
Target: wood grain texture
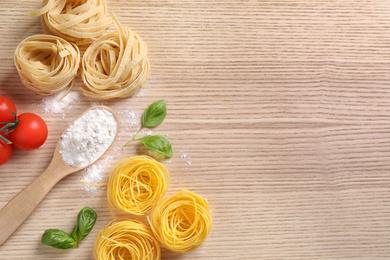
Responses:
[282,106]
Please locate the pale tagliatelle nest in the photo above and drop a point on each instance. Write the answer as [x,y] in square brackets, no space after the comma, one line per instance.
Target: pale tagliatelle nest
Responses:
[116,65]
[79,21]
[47,64]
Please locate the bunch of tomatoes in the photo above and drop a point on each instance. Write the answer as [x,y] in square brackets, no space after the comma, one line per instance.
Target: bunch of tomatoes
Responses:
[26,131]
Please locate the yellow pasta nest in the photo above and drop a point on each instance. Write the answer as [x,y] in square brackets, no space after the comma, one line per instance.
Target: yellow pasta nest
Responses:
[79,21]
[181,222]
[47,64]
[136,184]
[115,65]
[126,239]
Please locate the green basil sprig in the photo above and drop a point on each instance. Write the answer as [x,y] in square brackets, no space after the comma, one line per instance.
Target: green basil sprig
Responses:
[56,238]
[157,143]
[86,219]
[154,115]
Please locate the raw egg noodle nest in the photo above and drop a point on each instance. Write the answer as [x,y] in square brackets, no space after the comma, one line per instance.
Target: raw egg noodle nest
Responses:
[136,184]
[126,239]
[47,64]
[181,222]
[115,65]
[79,21]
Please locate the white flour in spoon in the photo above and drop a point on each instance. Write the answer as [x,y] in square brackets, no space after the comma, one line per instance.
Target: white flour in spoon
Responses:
[88,137]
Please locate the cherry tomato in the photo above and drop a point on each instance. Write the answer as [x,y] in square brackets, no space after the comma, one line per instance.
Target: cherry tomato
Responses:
[5,151]
[31,132]
[5,106]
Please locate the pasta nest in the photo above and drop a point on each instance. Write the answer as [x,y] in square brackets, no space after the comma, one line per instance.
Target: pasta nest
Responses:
[127,239]
[181,222]
[136,184]
[79,21]
[47,64]
[116,65]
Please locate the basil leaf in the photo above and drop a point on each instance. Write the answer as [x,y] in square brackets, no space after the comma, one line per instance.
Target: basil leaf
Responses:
[157,143]
[154,114]
[58,239]
[74,233]
[86,219]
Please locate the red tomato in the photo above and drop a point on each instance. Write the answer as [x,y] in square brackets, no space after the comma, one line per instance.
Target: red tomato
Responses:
[5,151]
[31,132]
[5,105]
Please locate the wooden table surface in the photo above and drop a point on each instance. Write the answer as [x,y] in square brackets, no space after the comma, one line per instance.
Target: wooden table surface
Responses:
[282,112]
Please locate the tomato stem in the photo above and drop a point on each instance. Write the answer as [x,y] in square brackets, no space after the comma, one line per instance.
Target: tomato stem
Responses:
[5,140]
[10,126]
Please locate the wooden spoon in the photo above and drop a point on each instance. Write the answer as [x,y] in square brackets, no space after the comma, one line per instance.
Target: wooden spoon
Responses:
[23,204]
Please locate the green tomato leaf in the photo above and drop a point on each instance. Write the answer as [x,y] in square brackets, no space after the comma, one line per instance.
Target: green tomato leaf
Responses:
[86,219]
[58,239]
[154,114]
[157,143]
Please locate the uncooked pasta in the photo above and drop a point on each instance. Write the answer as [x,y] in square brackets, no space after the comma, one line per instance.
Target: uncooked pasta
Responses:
[181,222]
[79,21]
[126,239]
[136,184]
[47,64]
[115,65]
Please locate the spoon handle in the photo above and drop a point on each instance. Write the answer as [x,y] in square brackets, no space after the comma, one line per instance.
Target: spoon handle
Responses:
[23,204]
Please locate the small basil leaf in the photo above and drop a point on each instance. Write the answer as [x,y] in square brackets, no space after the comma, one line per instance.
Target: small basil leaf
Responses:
[58,239]
[74,233]
[154,114]
[157,143]
[86,219]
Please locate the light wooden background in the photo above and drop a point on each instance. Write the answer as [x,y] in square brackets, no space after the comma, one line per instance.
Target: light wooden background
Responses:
[282,106]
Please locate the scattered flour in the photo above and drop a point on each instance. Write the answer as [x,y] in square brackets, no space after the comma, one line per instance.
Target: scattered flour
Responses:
[59,102]
[93,175]
[128,119]
[185,157]
[147,132]
[96,103]
[98,174]
[140,93]
[88,137]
